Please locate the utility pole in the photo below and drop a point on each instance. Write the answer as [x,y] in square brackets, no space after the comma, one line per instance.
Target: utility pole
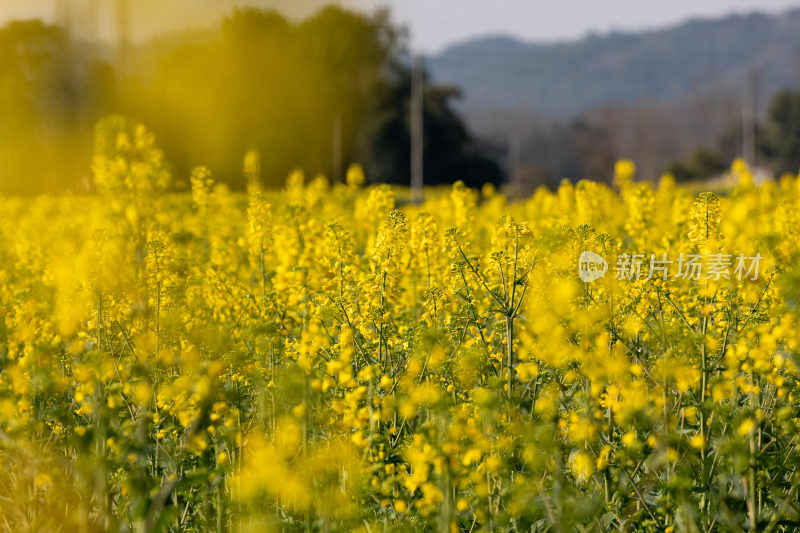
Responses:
[91,20]
[417,129]
[123,37]
[749,118]
[337,148]
[77,18]
[62,14]
[515,162]
[123,51]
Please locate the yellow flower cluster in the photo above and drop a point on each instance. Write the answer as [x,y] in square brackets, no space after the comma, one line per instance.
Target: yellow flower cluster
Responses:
[329,358]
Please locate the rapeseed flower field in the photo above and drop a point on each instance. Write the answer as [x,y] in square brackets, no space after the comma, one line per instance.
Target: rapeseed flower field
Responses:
[322,358]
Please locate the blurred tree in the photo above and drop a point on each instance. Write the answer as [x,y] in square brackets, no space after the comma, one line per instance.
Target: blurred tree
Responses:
[781,143]
[707,164]
[450,153]
[316,95]
[51,93]
[582,148]
[680,171]
[703,164]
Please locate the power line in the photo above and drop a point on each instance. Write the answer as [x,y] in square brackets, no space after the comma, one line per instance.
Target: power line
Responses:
[123,30]
[749,110]
[417,129]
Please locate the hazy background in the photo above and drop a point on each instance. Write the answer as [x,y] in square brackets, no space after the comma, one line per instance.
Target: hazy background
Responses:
[516,93]
[433,24]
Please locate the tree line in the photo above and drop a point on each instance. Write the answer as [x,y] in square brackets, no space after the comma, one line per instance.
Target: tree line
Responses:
[315,95]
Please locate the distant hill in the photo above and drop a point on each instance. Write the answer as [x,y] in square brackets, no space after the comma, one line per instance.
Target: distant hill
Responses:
[563,79]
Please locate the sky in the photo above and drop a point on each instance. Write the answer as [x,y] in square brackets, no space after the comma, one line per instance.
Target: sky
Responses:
[434,24]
